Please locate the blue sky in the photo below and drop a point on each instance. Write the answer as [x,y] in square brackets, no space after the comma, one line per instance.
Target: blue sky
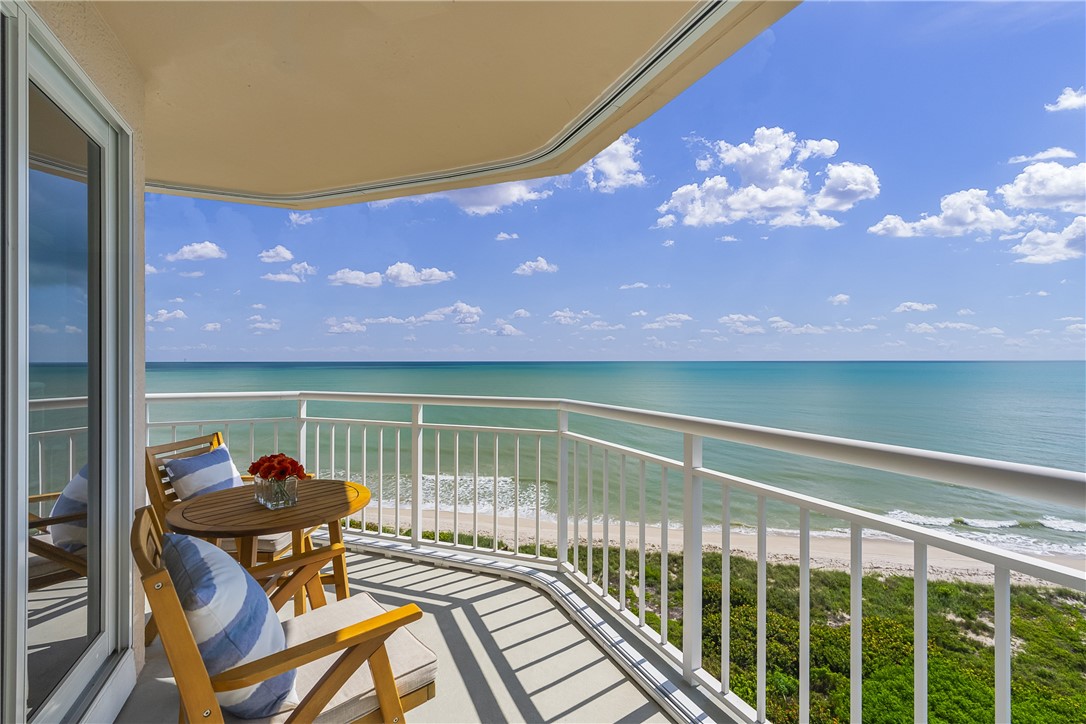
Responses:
[862,181]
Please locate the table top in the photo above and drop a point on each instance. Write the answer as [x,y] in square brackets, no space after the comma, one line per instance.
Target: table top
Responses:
[235,513]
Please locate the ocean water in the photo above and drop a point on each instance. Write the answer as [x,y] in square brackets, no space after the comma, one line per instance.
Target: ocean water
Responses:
[1028,412]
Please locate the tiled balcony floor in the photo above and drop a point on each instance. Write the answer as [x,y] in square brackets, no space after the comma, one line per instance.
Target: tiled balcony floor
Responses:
[505,652]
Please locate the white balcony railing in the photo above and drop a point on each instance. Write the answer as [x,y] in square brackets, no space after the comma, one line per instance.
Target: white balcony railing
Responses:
[505,477]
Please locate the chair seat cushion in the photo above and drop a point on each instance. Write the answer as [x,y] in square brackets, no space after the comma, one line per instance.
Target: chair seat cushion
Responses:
[231,619]
[71,536]
[205,473]
[413,664]
[272,543]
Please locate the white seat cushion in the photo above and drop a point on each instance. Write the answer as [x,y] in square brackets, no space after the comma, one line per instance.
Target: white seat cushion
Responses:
[413,664]
[272,543]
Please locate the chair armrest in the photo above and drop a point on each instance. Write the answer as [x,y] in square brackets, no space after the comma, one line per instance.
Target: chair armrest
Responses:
[36,522]
[42,497]
[374,630]
[296,560]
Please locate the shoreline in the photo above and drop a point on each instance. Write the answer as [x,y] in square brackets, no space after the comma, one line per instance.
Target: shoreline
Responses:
[880,556]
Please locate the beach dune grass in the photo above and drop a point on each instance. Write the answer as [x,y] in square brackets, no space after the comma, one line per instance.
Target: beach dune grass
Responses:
[1048,633]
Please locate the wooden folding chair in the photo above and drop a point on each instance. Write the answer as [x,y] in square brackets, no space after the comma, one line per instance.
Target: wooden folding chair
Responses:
[53,564]
[366,671]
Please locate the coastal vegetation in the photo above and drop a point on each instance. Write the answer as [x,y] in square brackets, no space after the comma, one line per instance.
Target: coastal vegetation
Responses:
[1048,632]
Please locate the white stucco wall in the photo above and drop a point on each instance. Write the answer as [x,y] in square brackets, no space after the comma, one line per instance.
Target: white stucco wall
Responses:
[90,41]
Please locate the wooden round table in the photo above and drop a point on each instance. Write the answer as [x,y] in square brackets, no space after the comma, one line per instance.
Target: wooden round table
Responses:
[235,513]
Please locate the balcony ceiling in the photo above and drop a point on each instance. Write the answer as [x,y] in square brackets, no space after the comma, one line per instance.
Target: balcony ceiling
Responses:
[309,104]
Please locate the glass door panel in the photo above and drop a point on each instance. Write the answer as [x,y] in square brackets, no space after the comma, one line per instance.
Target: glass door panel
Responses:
[64,602]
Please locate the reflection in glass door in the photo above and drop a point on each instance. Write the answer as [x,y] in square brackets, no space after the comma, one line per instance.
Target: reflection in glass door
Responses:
[64,571]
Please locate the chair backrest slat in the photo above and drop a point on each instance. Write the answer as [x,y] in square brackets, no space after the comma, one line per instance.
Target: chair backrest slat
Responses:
[160,492]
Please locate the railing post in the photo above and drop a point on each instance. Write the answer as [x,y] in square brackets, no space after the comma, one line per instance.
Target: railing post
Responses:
[692,574]
[563,488]
[416,475]
[303,432]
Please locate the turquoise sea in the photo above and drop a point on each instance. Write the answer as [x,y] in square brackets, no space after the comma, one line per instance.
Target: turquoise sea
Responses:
[1029,412]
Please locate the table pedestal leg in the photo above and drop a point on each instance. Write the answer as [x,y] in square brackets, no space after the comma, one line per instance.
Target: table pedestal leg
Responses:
[339,563]
[246,548]
[296,548]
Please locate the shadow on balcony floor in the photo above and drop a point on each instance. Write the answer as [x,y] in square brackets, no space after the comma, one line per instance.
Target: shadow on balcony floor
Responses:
[505,653]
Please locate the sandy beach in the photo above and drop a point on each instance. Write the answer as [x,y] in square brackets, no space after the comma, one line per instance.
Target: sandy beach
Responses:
[888,557]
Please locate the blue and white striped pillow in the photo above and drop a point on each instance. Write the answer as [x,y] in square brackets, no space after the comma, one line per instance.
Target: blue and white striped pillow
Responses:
[71,536]
[204,473]
[232,621]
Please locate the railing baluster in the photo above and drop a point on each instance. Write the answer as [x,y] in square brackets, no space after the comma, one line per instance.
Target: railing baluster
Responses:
[332,452]
[538,490]
[725,590]
[920,633]
[475,492]
[562,445]
[693,518]
[365,475]
[606,572]
[856,660]
[252,441]
[396,511]
[663,556]
[347,443]
[381,480]
[417,433]
[275,437]
[804,615]
[317,450]
[576,509]
[622,533]
[589,521]
[761,608]
[641,548]
[437,486]
[516,494]
[456,489]
[495,494]
[1003,644]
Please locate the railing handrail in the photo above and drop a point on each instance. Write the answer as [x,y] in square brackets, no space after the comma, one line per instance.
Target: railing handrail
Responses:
[1064,487]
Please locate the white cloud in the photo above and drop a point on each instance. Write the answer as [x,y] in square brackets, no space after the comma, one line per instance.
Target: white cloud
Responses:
[45,328]
[296,219]
[966,312]
[1049,247]
[538,266]
[283,277]
[665,321]
[963,212]
[461,312]
[615,167]
[402,274]
[635,285]
[1075,328]
[212,327]
[197,252]
[1048,185]
[839,299]
[994,331]
[192,274]
[1047,155]
[303,269]
[773,188]
[664,222]
[277,253]
[924,328]
[258,305]
[264,325]
[600,325]
[355,278]
[485,200]
[177,300]
[846,185]
[148,269]
[727,237]
[639,313]
[1069,100]
[521,314]
[1069,319]
[72,329]
[784,326]
[669,242]
[567,316]
[1038,331]
[959,326]
[346,325]
[502,236]
[502,328]
[163,316]
[915,307]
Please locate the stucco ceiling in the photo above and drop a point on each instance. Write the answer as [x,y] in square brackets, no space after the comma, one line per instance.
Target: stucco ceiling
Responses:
[308,104]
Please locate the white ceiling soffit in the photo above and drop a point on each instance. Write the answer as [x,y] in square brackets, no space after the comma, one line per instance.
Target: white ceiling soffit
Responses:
[310,104]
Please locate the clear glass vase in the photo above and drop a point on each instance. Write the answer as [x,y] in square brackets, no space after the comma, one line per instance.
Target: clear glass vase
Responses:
[274,493]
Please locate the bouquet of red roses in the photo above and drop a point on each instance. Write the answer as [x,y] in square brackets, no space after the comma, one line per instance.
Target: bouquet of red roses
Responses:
[277,467]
